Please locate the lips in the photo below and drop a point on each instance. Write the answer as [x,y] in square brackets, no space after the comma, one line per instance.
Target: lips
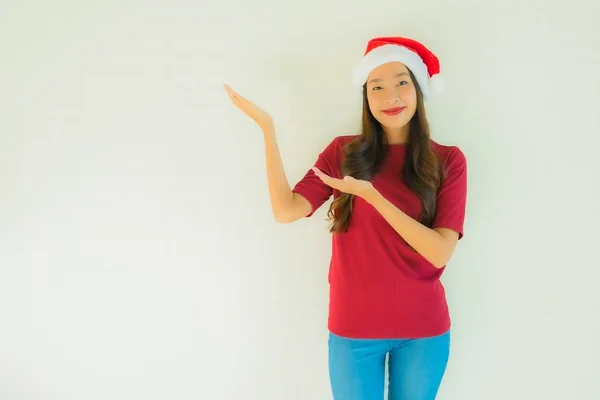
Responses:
[393,111]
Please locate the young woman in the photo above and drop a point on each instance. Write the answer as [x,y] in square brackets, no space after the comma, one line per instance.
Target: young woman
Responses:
[397,215]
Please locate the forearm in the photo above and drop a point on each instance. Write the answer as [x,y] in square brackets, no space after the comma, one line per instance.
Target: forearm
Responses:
[424,240]
[280,192]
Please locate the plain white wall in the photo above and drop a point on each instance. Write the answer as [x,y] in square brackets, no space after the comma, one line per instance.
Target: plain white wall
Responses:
[138,255]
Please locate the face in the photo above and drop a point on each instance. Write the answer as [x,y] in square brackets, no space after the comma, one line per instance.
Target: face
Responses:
[392,96]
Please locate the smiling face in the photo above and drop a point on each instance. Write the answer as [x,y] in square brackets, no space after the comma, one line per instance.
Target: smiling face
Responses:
[392,97]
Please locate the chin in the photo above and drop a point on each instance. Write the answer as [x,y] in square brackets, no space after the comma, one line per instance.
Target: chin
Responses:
[392,122]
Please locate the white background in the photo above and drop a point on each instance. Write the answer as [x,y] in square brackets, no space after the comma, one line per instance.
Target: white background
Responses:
[139,258]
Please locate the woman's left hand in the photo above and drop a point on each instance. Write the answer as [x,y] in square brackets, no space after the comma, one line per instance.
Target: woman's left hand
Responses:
[348,184]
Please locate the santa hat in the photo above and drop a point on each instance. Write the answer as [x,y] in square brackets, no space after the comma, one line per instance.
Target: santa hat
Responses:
[424,65]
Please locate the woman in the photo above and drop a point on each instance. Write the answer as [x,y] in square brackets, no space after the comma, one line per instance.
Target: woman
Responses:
[397,215]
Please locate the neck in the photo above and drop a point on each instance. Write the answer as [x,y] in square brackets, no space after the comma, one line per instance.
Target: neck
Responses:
[397,135]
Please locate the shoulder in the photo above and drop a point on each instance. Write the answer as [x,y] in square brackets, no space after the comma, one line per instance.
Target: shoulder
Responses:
[335,146]
[451,156]
[343,140]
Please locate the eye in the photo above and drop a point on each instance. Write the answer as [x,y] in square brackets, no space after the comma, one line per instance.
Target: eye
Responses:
[401,83]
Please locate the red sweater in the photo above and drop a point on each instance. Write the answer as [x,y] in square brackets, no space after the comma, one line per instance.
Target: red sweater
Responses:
[379,286]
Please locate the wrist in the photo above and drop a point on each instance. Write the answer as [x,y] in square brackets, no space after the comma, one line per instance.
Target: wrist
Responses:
[268,127]
[373,197]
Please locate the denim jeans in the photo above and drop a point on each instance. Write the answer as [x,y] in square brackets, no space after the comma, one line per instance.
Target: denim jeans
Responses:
[416,367]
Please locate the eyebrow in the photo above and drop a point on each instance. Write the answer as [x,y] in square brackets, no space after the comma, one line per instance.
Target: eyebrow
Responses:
[395,76]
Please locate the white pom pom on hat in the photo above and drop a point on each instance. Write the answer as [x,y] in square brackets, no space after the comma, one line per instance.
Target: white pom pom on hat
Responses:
[424,65]
[436,84]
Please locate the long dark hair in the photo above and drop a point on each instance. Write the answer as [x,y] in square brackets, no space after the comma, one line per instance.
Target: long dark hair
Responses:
[363,156]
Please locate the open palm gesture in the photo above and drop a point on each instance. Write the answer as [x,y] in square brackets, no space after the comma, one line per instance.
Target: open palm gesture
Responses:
[348,184]
[260,116]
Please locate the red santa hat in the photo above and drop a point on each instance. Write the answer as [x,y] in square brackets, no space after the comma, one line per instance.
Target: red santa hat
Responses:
[424,65]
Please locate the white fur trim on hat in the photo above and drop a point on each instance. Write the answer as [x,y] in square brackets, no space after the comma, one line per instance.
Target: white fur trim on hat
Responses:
[387,53]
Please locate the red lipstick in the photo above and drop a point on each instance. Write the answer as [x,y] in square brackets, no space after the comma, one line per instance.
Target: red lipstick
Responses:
[393,111]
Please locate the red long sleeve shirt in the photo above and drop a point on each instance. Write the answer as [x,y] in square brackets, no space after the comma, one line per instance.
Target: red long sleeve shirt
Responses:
[379,286]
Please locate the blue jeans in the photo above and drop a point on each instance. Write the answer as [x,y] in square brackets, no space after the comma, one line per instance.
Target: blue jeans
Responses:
[416,367]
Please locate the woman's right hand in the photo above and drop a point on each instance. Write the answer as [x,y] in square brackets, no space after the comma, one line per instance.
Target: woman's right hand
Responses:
[260,116]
